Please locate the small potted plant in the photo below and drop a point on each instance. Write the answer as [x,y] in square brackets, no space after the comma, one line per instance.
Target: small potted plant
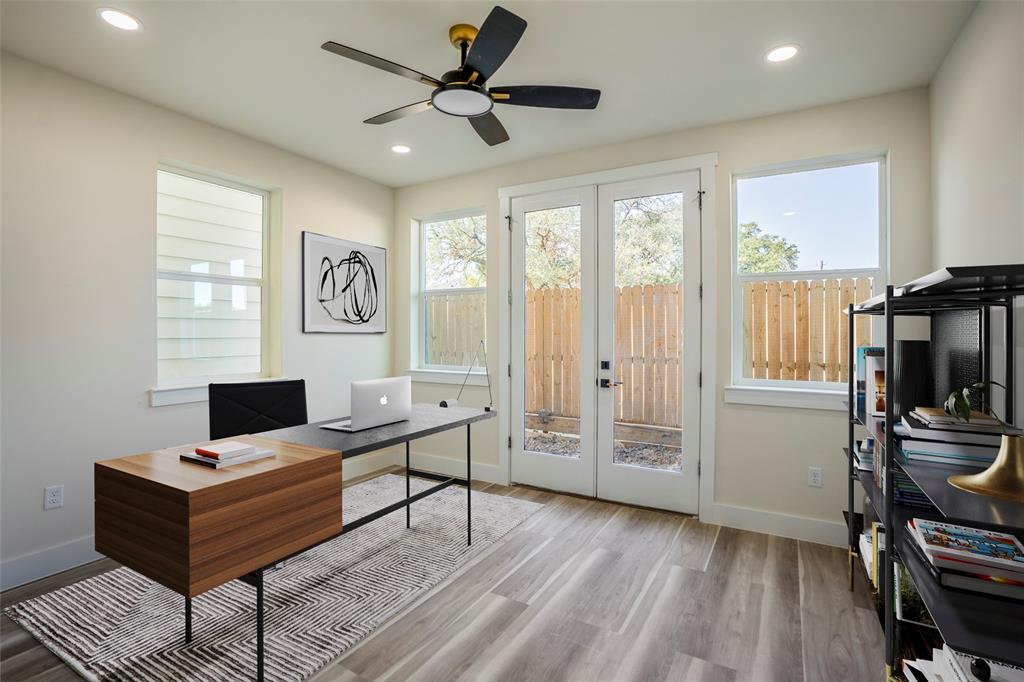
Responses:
[1005,476]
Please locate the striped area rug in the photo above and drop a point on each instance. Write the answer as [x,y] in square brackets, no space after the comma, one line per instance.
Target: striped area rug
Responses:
[122,626]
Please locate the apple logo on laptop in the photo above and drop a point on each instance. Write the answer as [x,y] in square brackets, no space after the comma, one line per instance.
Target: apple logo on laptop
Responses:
[384,399]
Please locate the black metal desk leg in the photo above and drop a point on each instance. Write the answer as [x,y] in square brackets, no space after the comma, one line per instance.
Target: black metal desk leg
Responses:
[259,625]
[469,490]
[408,507]
[188,620]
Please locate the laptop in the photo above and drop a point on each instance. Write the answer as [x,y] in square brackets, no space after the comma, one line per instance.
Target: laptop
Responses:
[376,402]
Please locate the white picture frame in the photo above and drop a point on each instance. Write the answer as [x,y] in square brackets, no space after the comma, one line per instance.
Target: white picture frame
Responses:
[344,286]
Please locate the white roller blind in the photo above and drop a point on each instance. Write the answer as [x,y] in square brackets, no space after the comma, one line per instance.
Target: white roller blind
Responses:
[209,255]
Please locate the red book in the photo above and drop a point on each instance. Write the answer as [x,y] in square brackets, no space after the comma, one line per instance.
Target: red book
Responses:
[226,450]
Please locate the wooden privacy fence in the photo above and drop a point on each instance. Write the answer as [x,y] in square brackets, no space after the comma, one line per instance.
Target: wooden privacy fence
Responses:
[455,324]
[648,345]
[796,329]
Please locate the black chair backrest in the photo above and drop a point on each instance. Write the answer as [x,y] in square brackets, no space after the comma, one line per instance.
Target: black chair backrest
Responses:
[256,406]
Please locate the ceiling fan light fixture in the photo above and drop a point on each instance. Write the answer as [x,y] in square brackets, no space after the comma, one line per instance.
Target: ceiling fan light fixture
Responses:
[119,19]
[401,149]
[461,100]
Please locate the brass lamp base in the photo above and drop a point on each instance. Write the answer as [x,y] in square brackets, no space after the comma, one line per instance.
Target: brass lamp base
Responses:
[1004,479]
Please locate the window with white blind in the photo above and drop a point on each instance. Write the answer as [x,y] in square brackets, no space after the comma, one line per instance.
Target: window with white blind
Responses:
[210,264]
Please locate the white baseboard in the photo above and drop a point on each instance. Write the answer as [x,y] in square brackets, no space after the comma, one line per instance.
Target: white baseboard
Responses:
[774,523]
[45,562]
[455,466]
[358,466]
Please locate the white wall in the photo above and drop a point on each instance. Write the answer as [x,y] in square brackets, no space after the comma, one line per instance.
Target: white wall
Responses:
[79,225]
[977,103]
[762,452]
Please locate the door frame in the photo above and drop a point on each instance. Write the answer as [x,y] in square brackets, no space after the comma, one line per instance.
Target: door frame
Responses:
[707,164]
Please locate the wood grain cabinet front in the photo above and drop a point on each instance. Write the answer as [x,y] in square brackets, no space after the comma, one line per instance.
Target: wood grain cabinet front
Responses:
[192,528]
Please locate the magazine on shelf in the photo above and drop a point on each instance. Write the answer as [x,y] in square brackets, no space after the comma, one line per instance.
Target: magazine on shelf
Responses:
[985,548]
[959,575]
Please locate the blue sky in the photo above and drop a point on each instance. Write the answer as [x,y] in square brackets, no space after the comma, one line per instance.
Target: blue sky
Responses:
[831,214]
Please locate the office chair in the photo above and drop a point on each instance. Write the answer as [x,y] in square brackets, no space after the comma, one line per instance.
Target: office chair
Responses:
[256,406]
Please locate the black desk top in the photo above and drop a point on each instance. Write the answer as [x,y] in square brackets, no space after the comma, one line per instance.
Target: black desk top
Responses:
[424,421]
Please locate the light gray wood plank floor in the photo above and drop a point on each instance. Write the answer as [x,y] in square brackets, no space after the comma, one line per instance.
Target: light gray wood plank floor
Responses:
[590,590]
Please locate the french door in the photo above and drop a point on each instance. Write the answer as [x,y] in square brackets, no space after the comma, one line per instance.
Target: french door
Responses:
[605,340]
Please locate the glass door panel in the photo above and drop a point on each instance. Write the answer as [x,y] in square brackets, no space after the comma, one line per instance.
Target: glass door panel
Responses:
[552,360]
[648,331]
[648,278]
[552,281]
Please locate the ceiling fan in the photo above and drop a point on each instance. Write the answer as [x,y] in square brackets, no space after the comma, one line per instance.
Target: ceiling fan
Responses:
[464,91]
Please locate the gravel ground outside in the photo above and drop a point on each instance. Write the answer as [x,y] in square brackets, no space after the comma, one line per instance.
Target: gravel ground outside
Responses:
[626,452]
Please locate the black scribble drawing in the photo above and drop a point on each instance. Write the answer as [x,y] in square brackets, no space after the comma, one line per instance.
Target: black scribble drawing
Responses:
[348,289]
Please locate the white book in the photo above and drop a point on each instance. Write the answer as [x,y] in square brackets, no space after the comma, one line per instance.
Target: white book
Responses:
[918,429]
[1000,671]
[930,447]
[221,463]
[226,449]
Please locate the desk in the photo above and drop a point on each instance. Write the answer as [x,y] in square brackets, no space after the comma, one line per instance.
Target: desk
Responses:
[192,528]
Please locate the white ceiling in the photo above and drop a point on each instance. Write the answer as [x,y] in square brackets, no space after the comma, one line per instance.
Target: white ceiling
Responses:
[257,67]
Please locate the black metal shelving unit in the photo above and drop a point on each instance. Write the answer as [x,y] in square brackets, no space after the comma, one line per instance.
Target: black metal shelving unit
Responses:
[974,623]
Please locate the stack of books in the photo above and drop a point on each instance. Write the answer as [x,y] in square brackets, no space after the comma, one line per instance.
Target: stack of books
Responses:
[930,435]
[226,453]
[906,492]
[864,458]
[950,665]
[970,558]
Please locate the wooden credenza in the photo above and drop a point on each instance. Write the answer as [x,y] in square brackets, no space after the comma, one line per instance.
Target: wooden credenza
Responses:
[192,528]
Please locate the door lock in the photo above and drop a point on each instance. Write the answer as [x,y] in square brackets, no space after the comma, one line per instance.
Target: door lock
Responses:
[608,383]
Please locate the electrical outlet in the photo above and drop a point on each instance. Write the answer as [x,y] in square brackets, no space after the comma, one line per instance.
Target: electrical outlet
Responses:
[53,497]
[814,477]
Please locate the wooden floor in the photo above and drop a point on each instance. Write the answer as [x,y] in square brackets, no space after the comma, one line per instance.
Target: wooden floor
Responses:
[590,590]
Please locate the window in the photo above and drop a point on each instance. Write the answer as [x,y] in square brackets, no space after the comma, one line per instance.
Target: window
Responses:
[809,240]
[210,260]
[454,272]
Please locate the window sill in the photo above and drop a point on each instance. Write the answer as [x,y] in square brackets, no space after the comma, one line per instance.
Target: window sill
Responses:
[774,396]
[160,396]
[447,376]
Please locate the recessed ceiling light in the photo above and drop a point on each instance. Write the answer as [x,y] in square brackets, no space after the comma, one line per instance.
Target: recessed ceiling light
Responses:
[782,53]
[119,19]
[789,213]
[401,149]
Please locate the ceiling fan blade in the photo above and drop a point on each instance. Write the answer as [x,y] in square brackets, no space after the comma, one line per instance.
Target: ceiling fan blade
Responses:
[489,128]
[495,41]
[551,96]
[400,112]
[380,63]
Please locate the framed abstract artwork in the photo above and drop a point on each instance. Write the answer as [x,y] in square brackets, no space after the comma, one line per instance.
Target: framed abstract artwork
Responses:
[344,286]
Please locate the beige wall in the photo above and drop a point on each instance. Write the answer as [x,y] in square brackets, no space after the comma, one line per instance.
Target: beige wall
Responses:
[79,220]
[977,105]
[762,452]
[977,102]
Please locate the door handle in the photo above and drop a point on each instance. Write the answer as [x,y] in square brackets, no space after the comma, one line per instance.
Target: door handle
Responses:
[608,383]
